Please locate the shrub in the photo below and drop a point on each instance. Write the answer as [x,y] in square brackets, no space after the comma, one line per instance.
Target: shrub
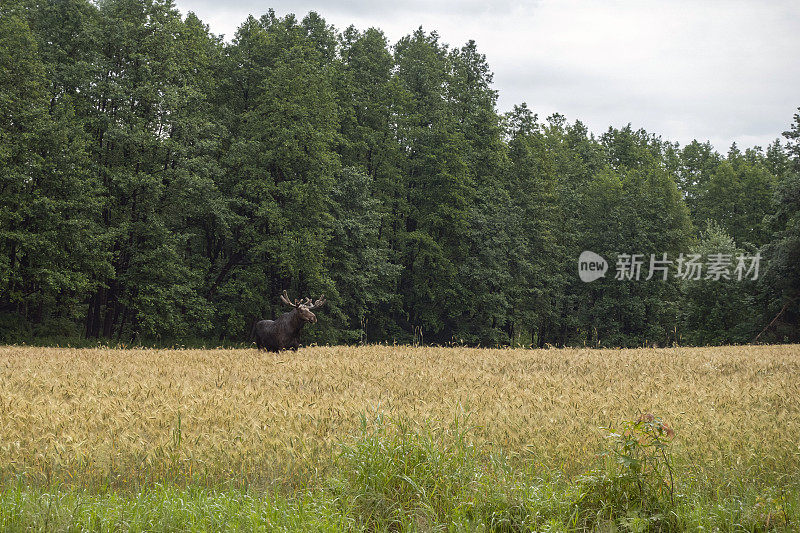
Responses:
[634,485]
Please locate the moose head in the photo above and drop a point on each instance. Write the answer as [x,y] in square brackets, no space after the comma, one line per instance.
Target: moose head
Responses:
[304,306]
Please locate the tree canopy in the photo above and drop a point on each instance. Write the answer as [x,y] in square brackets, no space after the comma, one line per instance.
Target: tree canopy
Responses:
[158,184]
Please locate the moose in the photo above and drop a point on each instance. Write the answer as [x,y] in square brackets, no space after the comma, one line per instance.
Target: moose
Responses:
[284,332]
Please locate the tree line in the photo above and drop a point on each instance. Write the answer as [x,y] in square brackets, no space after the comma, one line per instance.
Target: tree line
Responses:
[158,184]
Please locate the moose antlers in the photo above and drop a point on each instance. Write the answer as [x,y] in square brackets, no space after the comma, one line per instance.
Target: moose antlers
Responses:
[319,303]
[285,299]
[305,302]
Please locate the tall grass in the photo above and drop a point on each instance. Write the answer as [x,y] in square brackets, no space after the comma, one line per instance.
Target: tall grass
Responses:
[401,475]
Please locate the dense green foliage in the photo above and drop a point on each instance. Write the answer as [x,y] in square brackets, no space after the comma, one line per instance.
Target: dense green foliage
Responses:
[159,184]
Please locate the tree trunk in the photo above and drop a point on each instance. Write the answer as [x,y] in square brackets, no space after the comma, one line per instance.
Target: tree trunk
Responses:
[93,314]
[122,324]
[111,311]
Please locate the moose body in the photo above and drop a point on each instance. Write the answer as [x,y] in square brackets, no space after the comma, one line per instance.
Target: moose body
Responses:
[283,333]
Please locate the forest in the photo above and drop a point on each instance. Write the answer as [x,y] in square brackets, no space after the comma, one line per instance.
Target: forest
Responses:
[159,184]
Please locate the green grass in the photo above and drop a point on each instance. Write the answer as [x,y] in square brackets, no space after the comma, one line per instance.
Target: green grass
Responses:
[401,476]
[163,508]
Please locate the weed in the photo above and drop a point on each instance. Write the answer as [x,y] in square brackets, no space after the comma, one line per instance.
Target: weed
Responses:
[635,484]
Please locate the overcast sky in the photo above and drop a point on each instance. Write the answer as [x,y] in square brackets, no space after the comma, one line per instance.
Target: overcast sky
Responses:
[719,71]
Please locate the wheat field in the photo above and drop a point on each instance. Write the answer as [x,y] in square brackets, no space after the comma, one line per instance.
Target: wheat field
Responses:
[132,414]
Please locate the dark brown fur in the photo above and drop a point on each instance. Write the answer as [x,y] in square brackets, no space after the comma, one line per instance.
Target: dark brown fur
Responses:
[283,333]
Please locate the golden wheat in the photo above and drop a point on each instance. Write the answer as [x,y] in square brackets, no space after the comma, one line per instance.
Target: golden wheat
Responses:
[72,411]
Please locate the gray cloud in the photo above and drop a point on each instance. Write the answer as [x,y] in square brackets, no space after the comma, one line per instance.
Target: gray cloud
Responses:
[718,71]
